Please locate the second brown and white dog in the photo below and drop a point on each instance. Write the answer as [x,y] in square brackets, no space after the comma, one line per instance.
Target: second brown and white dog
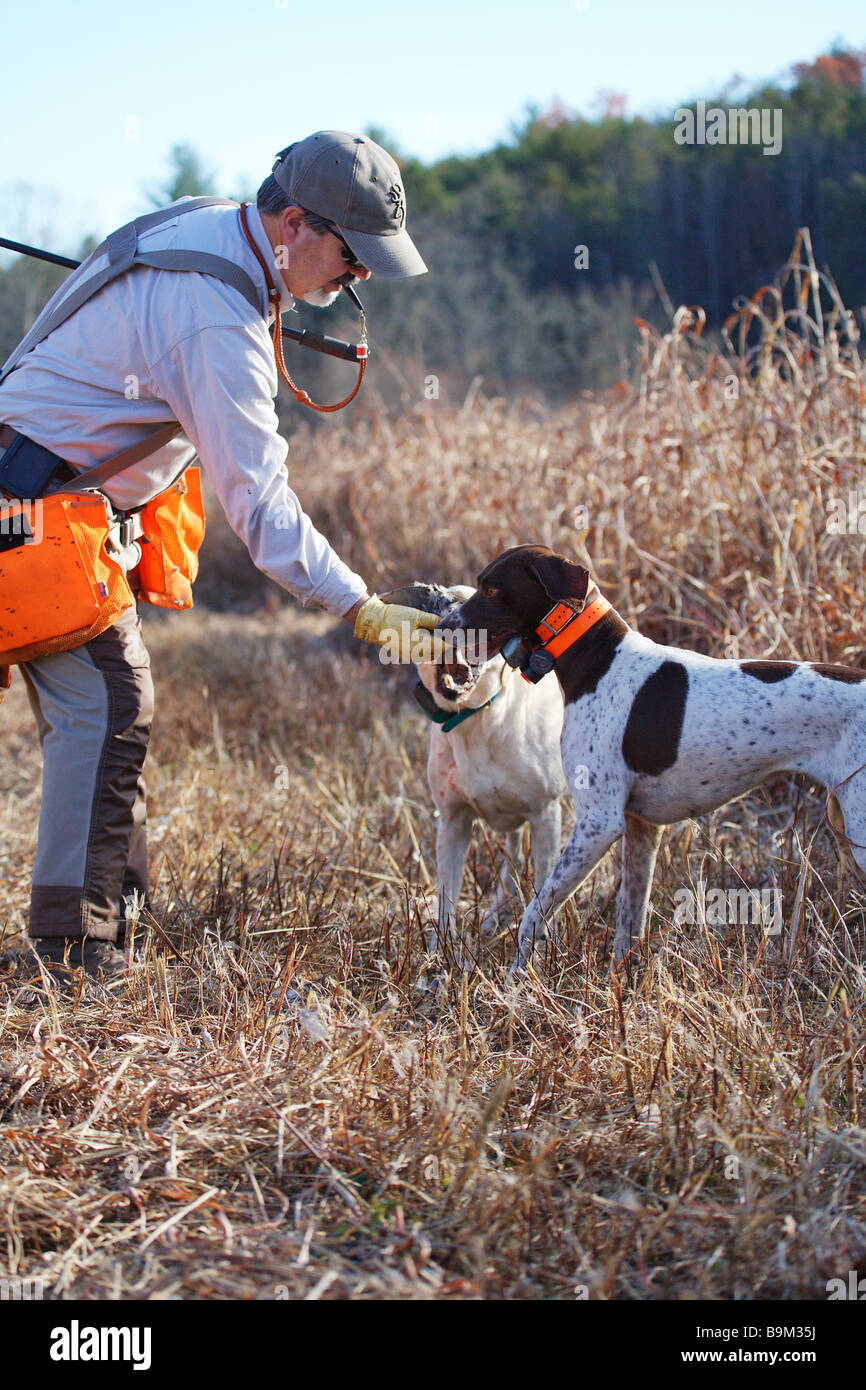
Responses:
[656,733]
[494,756]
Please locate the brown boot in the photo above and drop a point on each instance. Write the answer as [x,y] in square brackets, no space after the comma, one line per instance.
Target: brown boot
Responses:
[62,956]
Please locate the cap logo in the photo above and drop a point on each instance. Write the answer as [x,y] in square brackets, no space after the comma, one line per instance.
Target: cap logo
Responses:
[395,196]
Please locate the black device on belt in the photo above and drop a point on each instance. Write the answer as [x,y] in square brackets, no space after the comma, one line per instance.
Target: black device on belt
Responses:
[26,469]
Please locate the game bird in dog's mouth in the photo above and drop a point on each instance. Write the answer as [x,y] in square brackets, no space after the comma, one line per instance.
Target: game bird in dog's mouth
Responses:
[654,734]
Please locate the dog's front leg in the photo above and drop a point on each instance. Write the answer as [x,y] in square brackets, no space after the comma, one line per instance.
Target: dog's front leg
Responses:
[546,841]
[589,841]
[639,849]
[452,845]
[546,846]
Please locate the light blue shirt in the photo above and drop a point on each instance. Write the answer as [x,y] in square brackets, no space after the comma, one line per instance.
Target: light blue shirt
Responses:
[158,345]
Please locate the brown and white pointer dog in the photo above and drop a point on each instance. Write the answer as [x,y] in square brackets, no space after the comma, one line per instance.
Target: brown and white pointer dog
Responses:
[654,734]
[497,761]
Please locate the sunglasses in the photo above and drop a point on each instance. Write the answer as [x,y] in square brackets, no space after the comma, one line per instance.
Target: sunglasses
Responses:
[346,251]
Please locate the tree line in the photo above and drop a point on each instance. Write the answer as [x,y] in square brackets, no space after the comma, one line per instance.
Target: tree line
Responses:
[544,249]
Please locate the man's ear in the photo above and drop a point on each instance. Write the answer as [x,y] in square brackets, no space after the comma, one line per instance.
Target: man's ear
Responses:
[559,577]
[291,221]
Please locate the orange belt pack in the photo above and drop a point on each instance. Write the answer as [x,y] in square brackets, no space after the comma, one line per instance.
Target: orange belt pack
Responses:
[58,585]
[173,525]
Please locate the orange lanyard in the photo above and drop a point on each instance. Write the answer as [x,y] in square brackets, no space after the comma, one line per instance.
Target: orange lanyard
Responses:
[274,299]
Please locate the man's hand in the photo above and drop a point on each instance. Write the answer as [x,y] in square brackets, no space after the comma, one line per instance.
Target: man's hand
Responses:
[406,632]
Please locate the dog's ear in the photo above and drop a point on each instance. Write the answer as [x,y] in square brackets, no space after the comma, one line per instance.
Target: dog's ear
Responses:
[559,577]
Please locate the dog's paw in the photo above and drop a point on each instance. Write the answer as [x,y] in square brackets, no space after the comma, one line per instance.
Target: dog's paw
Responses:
[498,919]
[626,965]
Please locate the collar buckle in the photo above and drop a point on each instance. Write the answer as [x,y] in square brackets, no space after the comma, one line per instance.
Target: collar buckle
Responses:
[558,630]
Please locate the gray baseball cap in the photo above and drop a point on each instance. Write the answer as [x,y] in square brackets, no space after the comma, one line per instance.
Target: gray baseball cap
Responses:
[355,184]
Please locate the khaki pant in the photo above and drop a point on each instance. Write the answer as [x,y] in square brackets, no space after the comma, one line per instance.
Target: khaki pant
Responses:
[93,708]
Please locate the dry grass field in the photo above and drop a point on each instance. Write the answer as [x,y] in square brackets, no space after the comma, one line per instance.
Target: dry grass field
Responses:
[291,1103]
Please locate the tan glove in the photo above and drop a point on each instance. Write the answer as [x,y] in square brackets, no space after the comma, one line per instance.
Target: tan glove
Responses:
[403,633]
[5,681]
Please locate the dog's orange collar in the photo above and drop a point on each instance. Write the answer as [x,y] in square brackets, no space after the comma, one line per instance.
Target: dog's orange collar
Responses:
[558,630]
[562,627]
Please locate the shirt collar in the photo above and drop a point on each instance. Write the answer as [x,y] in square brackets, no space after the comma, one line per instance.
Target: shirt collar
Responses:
[260,236]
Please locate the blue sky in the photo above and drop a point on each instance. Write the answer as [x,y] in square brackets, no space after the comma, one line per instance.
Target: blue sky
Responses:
[96,93]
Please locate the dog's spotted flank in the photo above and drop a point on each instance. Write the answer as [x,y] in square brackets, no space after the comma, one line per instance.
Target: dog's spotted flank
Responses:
[660,733]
